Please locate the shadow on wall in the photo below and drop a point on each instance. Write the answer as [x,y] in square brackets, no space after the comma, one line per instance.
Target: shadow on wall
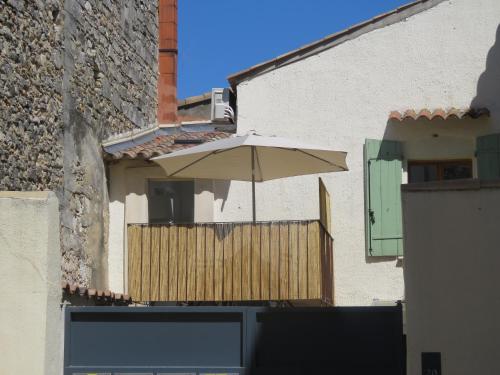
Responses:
[487,96]
[451,136]
[488,85]
[383,259]
[221,191]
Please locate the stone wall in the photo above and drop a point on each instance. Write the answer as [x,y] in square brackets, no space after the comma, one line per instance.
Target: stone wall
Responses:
[31,154]
[76,72]
[110,75]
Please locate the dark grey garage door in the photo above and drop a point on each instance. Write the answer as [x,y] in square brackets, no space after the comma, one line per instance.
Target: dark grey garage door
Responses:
[233,340]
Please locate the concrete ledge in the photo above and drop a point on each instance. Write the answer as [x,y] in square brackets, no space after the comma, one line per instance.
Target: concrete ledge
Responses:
[469,184]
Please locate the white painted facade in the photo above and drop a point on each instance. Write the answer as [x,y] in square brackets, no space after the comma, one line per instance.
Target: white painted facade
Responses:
[446,56]
[31,316]
[452,237]
[128,204]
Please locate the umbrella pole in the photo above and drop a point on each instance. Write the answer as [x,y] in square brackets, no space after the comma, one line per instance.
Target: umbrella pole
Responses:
[253,183]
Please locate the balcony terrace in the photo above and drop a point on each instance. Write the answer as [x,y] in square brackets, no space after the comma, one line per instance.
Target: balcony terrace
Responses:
[231,262]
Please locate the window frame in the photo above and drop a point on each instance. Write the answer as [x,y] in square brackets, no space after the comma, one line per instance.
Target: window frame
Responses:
[440,164]
[160,179]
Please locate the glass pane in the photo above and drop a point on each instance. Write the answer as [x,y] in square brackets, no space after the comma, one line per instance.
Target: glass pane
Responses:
[455,172]
[423,173]
[171,201]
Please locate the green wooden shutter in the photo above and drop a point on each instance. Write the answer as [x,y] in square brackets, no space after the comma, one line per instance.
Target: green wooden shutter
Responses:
[383,217]
[488,157]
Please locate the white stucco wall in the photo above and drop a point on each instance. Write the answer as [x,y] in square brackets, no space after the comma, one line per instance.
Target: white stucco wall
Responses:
[451,241]
[443,57]
[30,284]
[128,203]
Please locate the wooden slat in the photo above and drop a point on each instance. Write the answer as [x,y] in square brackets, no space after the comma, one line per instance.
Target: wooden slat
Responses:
[313,260]
[231,262]
[264,261]
[146,264]
[172,263]
[210,263]
[191,263]
[293,271]
[327,266]
[332,268]
[200,262]
[182,264]
[134,240]
[255,262]
[284,261]
[324,206]
[164,262]
[329,260]
[303,267]
[246,245]
[274,261]
[323,263]
[155,263]
[219,261]
[237,262]
[227,289]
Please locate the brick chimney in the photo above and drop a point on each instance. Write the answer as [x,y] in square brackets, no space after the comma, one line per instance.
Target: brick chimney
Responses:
[167,62]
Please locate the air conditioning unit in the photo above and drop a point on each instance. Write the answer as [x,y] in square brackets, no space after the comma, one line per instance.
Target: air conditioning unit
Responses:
[221,109]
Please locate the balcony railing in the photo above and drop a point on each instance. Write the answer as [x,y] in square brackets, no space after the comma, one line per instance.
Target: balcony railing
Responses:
[213,262]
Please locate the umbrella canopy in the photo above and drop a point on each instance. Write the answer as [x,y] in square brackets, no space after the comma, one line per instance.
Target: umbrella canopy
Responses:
[231,159]
[253,158]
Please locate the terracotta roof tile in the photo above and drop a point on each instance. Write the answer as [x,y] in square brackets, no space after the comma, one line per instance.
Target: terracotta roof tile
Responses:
[439,113]
[409,114]
[395,115]
[207,96]
[425,113]
[101,297]
[164,144]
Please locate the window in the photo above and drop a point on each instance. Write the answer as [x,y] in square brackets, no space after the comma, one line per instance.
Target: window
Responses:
[171,201]
[438,170]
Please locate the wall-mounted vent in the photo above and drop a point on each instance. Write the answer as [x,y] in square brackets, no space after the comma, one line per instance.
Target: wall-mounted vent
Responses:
[221,109]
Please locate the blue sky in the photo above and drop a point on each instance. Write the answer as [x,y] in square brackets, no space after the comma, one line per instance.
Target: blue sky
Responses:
[221,37]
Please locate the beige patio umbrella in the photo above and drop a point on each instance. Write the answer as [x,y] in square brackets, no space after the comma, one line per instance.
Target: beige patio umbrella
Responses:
[251,157]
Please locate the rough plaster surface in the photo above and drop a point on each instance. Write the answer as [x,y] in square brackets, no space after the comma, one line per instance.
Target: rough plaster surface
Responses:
[451,276]
[30,284]
[447,56]
[75,72]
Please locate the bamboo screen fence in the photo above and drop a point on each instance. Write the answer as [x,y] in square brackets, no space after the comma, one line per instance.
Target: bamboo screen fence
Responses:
[280,261]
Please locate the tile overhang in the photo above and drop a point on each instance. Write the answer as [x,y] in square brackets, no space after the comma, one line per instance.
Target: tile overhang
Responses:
[438,114]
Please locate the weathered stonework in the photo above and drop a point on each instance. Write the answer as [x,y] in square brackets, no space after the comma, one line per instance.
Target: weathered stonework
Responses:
[31,150]
[110,75]
[76,71]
